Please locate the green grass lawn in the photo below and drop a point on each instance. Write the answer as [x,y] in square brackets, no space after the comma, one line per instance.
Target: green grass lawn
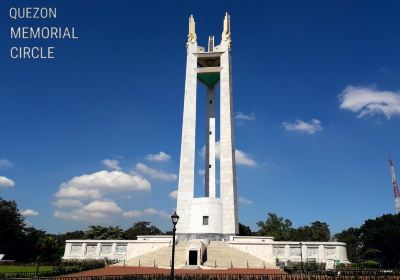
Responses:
[23,268]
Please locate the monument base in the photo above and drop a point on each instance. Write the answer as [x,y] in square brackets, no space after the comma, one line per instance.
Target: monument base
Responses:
[203,236]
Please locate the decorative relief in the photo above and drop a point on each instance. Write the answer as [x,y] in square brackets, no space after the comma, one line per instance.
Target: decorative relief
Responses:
[76,250]
[192,37]
[121,249]
[295,251]
[91,249]
[330,251]
[106,249]
[312,252]
[279,251]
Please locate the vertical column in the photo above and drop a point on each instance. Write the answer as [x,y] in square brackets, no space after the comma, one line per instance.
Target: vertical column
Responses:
[210,144]
[186,167]
[227,152]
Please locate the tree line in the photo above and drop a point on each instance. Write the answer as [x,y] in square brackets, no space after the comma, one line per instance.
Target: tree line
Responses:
[376,241]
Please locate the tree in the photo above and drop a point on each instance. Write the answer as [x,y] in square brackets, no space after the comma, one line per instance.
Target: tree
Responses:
[275,226]
[11,228]
[100,232]
[244,230]
[380,240]
[141,228]
[317,231]
[351,237]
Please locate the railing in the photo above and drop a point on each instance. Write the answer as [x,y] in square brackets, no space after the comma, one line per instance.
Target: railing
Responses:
[218,277]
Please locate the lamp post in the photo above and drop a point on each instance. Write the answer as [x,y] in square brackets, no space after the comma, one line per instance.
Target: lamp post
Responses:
[174,219]
[301,256]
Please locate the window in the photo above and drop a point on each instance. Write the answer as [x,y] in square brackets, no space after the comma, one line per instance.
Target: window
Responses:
[205,220]
[210,101]
[209,166]
[210,132]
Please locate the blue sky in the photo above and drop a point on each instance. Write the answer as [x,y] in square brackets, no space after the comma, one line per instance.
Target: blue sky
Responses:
[316,88]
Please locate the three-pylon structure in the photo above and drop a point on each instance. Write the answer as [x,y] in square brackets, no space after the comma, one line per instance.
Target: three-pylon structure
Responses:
[209,217]
[396,191]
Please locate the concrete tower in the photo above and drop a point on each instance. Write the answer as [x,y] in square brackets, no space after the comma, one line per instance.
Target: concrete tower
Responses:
[209,217]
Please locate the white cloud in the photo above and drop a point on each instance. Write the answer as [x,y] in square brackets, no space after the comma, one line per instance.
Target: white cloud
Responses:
[147,211]
[369,101]
[111,163]
[5,182]
[161,156]
[29,213]
[244,200]
[243,117]
[241,157]
[102,206]
[152,211]
[68,203]
[79,215]
[173,194]
[244,159]
[95,210]
[96,184]
[5,163]
[307,127]
[154,173]
[201,172]
[132,214]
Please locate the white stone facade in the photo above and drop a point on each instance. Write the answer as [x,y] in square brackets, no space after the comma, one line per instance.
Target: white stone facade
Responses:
[261,247]
[114,249]
[269,250]
[209,217]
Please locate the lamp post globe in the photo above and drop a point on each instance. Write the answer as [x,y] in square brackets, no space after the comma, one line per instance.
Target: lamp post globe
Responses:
[174,218]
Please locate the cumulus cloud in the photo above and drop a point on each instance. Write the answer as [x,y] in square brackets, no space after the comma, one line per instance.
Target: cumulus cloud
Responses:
[95,210]
[5,163]
[173,194]
[302,126]
[68,203]
[154,173]
[111,163]
[102,206]
[244,200]
[29,213]
[369,101]
[96,184]
[241,157]
[161,156]
[245,117]
[5,182]
[244,159]
[132,214]
[147,211]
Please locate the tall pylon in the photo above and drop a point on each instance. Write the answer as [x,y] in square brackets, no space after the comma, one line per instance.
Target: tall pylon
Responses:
[396,191]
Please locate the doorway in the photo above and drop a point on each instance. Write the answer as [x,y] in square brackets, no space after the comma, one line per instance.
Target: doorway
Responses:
[192,257]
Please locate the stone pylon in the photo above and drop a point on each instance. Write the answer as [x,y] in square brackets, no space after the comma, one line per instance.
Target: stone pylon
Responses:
[210,216]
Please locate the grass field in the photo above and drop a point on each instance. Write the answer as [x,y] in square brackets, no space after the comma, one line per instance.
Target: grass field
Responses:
[24,268]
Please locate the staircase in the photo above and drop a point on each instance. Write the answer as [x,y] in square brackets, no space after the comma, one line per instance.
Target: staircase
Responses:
[220,255]
[161,257]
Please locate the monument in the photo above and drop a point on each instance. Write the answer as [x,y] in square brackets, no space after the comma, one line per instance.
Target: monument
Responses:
[208,226]
[209,217]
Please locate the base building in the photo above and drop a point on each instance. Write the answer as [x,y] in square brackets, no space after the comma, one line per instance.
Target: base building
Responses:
[208,226]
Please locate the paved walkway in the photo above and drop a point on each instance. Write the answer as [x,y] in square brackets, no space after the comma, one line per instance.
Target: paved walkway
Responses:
[115,270]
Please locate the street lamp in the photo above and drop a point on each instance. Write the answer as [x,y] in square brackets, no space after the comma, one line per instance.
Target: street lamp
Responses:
[301,256]
[175,219]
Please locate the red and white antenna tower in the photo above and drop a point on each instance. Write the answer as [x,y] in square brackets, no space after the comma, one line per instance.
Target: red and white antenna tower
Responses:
[395,186]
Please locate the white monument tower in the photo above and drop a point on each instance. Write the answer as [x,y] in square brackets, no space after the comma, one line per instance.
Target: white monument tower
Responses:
[206,221]
[209,217]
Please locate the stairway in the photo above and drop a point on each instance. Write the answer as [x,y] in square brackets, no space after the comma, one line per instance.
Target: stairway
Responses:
[221,255]
[161,257]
